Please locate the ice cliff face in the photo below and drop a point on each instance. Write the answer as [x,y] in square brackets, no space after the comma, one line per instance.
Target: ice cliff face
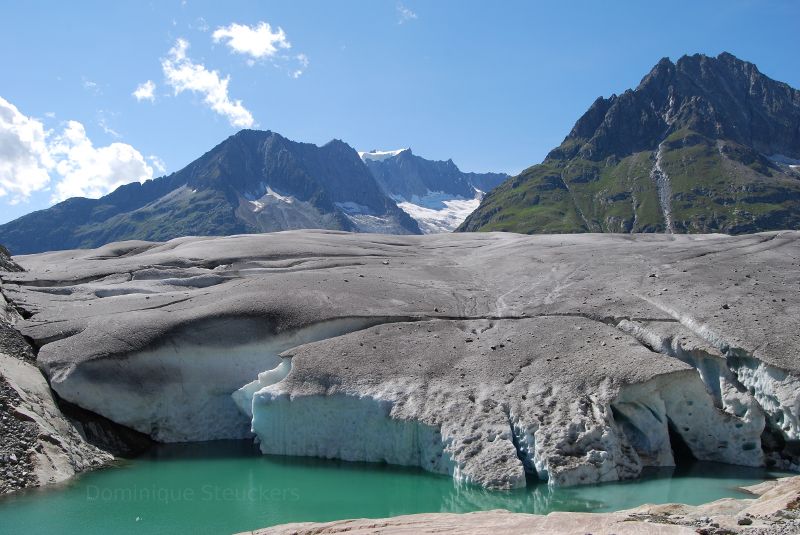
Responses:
[497,413]
[181,391]
[492,358]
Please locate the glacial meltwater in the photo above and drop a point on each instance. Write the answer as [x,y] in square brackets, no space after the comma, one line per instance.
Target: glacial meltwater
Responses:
[227,487]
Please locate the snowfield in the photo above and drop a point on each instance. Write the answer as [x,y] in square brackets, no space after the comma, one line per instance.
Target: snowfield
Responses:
[380,155]
[445,218]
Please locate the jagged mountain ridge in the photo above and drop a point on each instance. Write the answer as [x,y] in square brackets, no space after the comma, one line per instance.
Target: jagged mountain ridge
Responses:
[403,174]
[254,181]
[436,193]
[701,145]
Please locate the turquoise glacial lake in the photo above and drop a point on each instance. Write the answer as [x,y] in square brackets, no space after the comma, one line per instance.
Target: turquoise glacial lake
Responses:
[228,487]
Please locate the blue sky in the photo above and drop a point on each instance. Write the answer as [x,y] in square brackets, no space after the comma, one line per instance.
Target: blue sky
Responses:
[492,85]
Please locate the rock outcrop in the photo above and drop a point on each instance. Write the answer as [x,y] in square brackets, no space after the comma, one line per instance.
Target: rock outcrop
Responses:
[38,445]
[490,357]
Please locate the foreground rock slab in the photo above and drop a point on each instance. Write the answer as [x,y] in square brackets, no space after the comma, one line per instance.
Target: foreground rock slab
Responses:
[775,509]
[482,523]
[488,357]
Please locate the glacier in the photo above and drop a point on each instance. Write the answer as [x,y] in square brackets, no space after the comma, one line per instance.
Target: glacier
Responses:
[438,211]
[331,412]
[494,358]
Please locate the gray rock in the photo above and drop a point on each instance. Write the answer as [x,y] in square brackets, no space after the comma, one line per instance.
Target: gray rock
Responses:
[38,445]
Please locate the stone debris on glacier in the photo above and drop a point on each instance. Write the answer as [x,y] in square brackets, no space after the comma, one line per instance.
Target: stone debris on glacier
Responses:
[576,358]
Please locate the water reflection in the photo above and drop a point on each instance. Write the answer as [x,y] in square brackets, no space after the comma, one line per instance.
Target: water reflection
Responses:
[228,487]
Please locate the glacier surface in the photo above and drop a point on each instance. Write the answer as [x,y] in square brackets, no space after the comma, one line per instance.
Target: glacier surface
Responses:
[490,357]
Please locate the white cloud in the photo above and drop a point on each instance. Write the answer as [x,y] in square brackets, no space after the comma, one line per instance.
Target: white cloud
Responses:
[145,91]
[201,24]
[102,122]
[302,61]
[404,14]
[89,171]
[157,163]
[34,159]
[182,74]
[24,157]
[257,41]
[91,86]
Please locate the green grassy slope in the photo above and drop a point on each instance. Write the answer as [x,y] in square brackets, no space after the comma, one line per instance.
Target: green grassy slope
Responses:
[709,143]
[716,187]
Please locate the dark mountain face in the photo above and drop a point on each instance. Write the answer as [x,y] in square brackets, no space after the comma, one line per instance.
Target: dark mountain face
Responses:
[252,182]
[406,175]
[702,145]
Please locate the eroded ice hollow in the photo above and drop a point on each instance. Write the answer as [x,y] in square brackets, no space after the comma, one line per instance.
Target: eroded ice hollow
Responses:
[180,390]
[736,381]
[489,401]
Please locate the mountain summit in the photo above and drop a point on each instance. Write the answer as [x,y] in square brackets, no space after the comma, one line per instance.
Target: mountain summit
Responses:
[705,144]
[254,181]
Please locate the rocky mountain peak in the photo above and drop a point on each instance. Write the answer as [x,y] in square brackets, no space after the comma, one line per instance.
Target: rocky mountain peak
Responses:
[253,181]
[719,97]
[702,144]
[339,145]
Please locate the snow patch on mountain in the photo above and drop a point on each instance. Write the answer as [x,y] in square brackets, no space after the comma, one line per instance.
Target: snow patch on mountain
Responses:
[272,193]
[269,197]
[380,155]
[438,211]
